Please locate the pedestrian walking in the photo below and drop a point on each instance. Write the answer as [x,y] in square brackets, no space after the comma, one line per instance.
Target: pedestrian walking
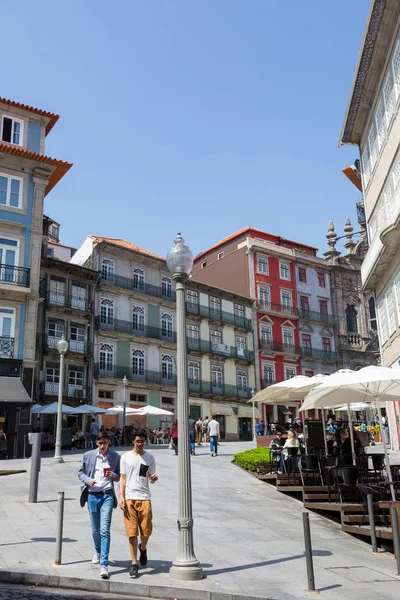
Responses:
[174,435]
[214,436]
[138,469]
[192,435]
[199,431]
[99,470]
[94,431]
[205,429]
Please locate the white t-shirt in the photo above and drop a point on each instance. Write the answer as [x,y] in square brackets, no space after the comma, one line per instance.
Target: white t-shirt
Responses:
[213,427]
[137,470]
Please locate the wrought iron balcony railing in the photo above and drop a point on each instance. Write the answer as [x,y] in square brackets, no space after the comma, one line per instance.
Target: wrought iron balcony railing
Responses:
[143,288]
[139,374]
[218,315]
[76,392]
[311,315]
[10,275]
[220,349]
[73,345]
[284,309]
[323,355]
[65,301]
[6,347]
[285,348]
[135,329]
[218,389]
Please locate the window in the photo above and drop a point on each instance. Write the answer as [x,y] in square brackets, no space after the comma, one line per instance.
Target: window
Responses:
[242,381]
[53,230]
[217,376]
[138,362]
[262,264]
[326,344]
[53,374]
[288,338]
[203,265]
[372,313]
[137,399]
[215,307]
[239,313]
[78,296]
[284,271]
[390,311]
[138,317]
[107,312]
[192,298]
[305,304]
[216,336]
[351,319]
[7,327]
[264,295]
[57,291]
[166,326]
[321,279]
[323,307]
[286,300]
[290,372]
[12,131]
[10,191]
[306,341]
[106,394]
[241,345]
[397,295]
[138,279]
[108,270]
[308,373]
[167,367]
[55,328]
[50,252]
[266,336]
[77,337]
[168,402]
[106,358]
[383,325]
[268,374]
[193,333]
[302,275]
[166,288]
[194,372]
[75,378]
[220,255]
[388,97]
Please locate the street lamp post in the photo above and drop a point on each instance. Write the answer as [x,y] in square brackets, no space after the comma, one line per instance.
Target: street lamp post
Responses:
[125,384]
[254,417]
[185,567]
[62,348]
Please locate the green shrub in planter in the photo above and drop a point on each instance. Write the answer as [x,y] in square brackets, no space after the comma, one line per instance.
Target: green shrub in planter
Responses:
[251,458]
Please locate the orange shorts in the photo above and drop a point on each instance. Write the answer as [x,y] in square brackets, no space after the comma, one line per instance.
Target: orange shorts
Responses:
[138,516]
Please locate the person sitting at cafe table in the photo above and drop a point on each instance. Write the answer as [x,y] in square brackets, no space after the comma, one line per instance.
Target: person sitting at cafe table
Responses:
[331,426]
[291,442]
[345,446]
[276,446]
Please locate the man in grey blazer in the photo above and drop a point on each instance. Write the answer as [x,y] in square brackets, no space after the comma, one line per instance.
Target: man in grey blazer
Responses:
[99,470]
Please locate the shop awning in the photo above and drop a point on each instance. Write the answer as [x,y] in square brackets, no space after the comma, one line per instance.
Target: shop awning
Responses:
[221,409]
[247,411]
[12,391]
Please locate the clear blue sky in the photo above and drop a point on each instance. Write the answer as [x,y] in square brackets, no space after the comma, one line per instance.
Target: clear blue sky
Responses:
[205,116]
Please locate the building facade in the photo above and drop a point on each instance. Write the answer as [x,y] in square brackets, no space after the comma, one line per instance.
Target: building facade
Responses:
[372,122]
[27,175]
[135,336]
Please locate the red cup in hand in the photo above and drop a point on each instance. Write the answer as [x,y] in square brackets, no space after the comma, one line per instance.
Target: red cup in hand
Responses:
[106,471]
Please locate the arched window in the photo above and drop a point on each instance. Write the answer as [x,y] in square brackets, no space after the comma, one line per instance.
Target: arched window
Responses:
[138,279]
[372,314]
[166,326]
[138,315]
[106,359]
[351,319]
[166,287]
[217,376]
[194,372]
[138,362]
[108,270]
[107,312]
[167,367]
[242,381]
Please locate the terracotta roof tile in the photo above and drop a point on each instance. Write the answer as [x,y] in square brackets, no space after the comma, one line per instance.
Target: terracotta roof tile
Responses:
[61,167]
[37,111]
[128,245]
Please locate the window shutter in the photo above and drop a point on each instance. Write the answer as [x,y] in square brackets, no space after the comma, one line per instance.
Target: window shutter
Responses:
[383,321]
[388,97]
[390,310]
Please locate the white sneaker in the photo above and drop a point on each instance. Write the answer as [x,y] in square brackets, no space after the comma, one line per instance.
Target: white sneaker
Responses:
[96,558]
[104,572]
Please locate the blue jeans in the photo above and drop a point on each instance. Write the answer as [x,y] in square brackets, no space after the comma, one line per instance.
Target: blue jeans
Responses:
[100,512]
[214,443]
[192,438]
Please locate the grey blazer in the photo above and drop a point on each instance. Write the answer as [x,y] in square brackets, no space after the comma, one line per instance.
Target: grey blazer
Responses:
[88,467]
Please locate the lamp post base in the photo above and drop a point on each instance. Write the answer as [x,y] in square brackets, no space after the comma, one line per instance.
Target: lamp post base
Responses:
[58,459]
[186,571]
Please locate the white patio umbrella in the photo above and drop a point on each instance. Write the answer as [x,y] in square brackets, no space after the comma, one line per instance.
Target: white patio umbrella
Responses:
[354,406]
[151,410]
[89,409]
[380,384]
[51,409]
[118,409]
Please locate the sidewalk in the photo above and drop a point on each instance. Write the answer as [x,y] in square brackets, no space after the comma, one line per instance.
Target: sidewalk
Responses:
[248,538]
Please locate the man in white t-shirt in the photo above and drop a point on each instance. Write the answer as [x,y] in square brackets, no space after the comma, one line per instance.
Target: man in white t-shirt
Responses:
[214,436]
[138,469]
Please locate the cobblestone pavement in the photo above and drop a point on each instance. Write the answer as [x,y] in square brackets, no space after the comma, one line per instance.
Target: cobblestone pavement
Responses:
[17,592]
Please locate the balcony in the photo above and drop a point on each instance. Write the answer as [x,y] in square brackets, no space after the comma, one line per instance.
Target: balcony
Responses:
[118,372]
[64,301]
[14,276]
[267,382]
[287,349]
[143,288]
[310,315]
[76,392]
[156,333]
[218,315]
[206,346]
[322,355]
[6,347]
[282,309]
[73,345]
[218,389]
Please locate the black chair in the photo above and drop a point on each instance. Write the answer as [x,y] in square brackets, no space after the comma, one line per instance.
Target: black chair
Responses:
[310,464]
[343,460]
[292,463]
